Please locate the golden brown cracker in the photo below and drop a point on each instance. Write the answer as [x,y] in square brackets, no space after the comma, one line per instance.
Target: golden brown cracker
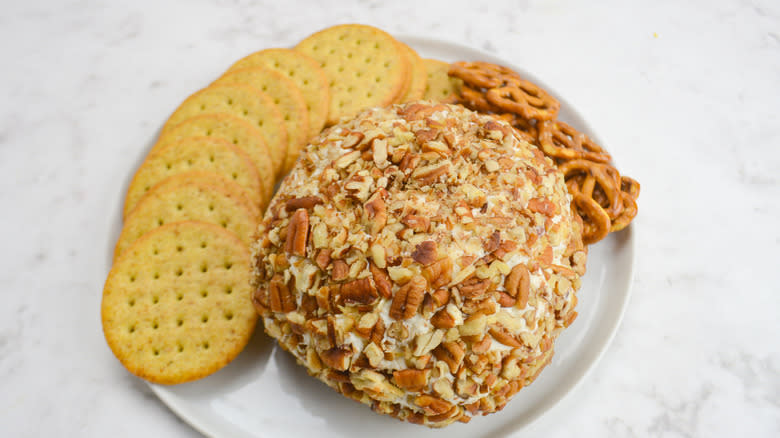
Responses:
[365,66]
[245,102]
[287,97]
[440,87]
[210,154]
[233,129]
[176,305]
[304,71]
[196,195]
[418,76]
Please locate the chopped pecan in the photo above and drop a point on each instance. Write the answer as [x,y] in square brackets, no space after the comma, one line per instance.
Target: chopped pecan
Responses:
[429,174]
[340,270]
[411,380]
[409,162]
[473,287]
[377,332]
[308,305]
[323,298]
[425,253]
[570,318]
[546,256]
[359,291]
[417,223]
[408,298]
[506,300]
[440,297]
[346,159]
[260,300]
[306,202]
[542,205]
[426,135]
[281,299]
[382,280]
[501,335]
[442,320]
[432,405]
[377,211]
[517,284]
[493,242]
[438,273]
[337,358]
[322,259]
[451,353]
[379,153]
[352,140]
[481,346]
[297,233]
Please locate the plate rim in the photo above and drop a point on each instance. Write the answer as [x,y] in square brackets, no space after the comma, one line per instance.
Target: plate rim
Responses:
[192,419]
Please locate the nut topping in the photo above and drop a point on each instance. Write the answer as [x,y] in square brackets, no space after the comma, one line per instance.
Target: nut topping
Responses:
[408,299]
[297,233]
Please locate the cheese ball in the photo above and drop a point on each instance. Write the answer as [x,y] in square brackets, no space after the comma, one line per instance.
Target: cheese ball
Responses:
[421,259]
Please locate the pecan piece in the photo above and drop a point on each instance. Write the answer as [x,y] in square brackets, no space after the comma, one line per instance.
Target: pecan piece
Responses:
[352,140]
[442,320]
[323,258]
[429,174]
[438,273]
[501,335]
[451,353]
[473,287]
[542,205]
[376,210]
[382,280]
[432,405]
[517,285]
[340,270]
[337,358]
[493,242]
[377,332]
[408,299]
[281,299]
[297,233]
[426,135]
[417,223]
[425,252]
[359,291]
[409,161]
[440,297]
[260,300]
[411,380]
[306,202]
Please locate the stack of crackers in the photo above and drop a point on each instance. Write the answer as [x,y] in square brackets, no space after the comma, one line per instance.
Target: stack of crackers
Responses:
[176,304]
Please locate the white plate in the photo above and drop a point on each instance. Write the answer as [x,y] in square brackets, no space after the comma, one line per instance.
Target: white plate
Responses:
[264,393]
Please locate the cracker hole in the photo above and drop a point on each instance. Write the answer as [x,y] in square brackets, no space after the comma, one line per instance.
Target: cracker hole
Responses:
[228,265]
[211,207]
[224,224]
[229,316]
[235,141]
[332,83]
[132,278]
[155,251]
[202,244]
[204,294]
[342,36]
[181,348]
[286,117]
[376,45]
[292,73]
[204,319]
[205,345]
[156,352]
[378,79]
[358,74]
[246,112]
[332,51]
[179,297]
[368,60]
[229,290]
[369,94]
[131,302]
[235,175]
[156,275]
[341,69]
[260,123]
[179,272]
[179,322]
[322,64]
[446,92]
[179,248]
[155,325]
[230,101]
[211,158]
[160,222]
[204,268]
[276,101]
[189,162]
[349,55]
[341,103]
[264,87]
[179,207]
[168,166]
[131,329]
[305,82]
[349,89]
[155,299]
[202,107]
[208,132]
[315,47]
[276,64]
[358,42]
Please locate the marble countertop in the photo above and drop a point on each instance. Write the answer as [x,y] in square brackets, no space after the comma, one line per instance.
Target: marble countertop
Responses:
[686,95]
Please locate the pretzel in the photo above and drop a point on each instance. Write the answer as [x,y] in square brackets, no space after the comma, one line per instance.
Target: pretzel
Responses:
[526,128]
[596,223]
[628,214]
[475,100]
[524,98]
[596,178]
[630,186]
[482,74]
[559,140]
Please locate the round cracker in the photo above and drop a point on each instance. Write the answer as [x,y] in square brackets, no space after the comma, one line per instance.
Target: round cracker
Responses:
[440,86]
[287,97]
[209,154]
[245,102]
[365,66]
[237,131]
[418,76]
[176,305]
[191,196]
[304,71]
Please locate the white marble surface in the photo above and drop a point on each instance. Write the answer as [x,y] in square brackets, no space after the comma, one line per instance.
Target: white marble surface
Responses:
[686,95]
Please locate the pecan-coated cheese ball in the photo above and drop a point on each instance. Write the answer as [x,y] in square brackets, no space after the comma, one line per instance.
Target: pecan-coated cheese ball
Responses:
[420,259]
